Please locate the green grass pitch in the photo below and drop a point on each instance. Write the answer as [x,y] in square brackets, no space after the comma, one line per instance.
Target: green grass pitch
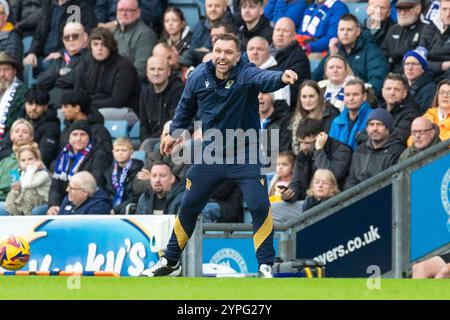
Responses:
[217,288]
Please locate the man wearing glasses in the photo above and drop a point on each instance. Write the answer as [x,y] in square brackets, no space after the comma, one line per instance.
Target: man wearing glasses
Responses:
[84,197]
[424,135]
[135,40]
[56,79]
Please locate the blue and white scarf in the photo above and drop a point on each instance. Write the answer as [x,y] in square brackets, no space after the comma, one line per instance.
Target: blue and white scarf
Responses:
[63,170]
[314,16]
[5,104]
[118,183]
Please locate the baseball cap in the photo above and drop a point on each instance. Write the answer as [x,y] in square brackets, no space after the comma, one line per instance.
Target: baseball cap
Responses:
[407,3]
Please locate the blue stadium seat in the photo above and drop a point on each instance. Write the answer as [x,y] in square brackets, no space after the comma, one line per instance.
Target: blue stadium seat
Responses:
[139,155]
[26,44]
[135,130]
[28,77]
[134,135]
[358,9]
[198,3]
[117,128]
[314,63]
[191,11]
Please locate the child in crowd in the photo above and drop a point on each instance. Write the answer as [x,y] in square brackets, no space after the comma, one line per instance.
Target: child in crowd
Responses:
[34,184]
[282,179]
[323,186]
[120,176]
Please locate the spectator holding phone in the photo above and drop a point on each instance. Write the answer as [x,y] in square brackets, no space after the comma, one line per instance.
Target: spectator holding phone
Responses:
[283,176]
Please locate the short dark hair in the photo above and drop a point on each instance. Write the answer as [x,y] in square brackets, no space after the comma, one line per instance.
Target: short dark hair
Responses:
[223,24]
[254,2]
[106,37]
[38,95]
[77,98]
[163,163]
[309,127]
[350,17]
[396,77]
[356,81]
[230,37]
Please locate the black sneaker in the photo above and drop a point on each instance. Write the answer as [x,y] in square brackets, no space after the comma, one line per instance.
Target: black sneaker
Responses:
[163,269]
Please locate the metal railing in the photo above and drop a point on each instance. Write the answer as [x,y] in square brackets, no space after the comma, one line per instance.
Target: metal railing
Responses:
[398,176]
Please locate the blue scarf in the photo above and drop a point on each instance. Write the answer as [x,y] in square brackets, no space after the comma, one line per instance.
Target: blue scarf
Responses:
[118,183]
[63,170]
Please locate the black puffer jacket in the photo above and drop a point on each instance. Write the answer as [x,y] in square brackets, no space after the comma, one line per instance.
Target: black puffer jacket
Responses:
[87,15]
[26,14]
[155,109]
[100,135]
[367,161]
[335,156]
[128,195]
[438,45]
[95,163]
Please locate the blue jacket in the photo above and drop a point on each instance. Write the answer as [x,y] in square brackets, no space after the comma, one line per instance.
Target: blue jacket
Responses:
[100,203]
[226,104]
[329,14]
[276,9]
[340,127]
[366,60]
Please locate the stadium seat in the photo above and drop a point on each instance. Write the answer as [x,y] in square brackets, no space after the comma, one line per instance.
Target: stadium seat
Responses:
[191,11]
[314,63]
[26,42]
[134,135]
[139,155]
[180,3]
[28,78]
[117,128]
[358,9]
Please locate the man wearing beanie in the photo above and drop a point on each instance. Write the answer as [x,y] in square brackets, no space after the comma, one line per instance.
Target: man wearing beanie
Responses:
[400,104]
[405,35]
[80,154]
[420,78]
[378,153]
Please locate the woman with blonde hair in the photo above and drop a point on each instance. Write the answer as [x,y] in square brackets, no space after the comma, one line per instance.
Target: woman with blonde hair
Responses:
[34,183]
[322,187]
[336,72]
[21,134]
[311,104]
[439,113]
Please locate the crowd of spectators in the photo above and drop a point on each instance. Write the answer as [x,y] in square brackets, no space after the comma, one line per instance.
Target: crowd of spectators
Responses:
[370,93]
